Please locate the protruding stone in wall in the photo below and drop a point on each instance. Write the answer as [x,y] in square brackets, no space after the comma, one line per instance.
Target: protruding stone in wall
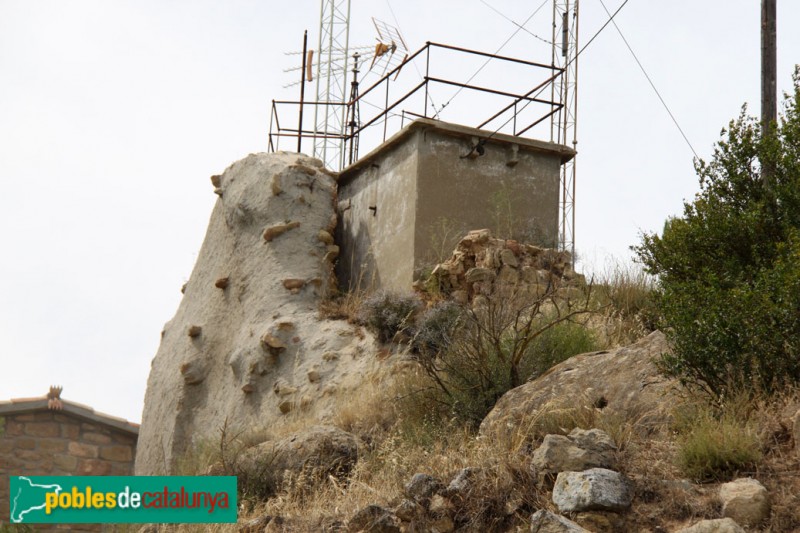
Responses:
[276,231]
[293,284]
[272,344]
[194,371]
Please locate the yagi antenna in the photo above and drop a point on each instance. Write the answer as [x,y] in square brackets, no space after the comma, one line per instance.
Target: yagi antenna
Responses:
[390,41]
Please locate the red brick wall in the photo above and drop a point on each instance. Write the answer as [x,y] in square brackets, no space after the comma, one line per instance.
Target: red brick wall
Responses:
[53,443]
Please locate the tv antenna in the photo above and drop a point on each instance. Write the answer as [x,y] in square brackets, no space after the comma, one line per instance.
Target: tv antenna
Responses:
[329,67]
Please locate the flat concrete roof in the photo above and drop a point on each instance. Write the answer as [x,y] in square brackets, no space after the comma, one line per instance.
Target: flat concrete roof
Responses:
[457,130]
[18,406]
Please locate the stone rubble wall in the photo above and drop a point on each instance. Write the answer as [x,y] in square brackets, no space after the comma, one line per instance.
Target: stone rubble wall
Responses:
[482,266]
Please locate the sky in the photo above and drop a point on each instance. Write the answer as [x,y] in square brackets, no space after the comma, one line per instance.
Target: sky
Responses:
[114,114]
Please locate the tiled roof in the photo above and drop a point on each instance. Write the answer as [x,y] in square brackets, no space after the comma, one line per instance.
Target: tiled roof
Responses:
[40,403]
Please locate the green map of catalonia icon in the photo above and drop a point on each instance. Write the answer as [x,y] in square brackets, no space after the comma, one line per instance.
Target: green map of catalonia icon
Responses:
[29,497]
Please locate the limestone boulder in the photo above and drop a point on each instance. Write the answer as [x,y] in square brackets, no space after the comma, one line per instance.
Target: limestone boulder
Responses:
[745,500]
[623,382]
[596,489]
[316,453]
[546,522]
[581,450]
[720,525]
[240,350]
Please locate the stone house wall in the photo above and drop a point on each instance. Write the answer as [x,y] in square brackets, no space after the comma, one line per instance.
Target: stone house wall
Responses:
[59,442]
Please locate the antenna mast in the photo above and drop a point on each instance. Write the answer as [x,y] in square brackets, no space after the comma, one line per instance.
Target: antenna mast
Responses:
[334,42]
[564,124]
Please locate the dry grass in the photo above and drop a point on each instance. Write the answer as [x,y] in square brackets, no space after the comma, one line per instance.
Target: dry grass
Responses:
[403,436]
[402,442]
[624,294]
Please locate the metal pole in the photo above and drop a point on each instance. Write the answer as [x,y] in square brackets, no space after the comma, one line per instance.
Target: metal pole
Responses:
[386,109]
[427,72]
[769,100]
[575,133]
[352,111]
[302,93]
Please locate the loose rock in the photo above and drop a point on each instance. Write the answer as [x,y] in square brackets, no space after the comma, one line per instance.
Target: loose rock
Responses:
[546,522]
[745,500]
[422,487]
[373,519]
[720,525]
[579,451]
[596,489]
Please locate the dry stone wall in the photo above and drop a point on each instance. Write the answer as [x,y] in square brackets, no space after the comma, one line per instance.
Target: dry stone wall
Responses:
[482,266]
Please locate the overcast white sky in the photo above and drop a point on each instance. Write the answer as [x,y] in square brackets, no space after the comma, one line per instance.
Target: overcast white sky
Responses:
[113,115]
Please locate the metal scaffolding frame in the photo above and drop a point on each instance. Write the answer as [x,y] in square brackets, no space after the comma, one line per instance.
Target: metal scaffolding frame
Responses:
[564,123]
[331,73]
[542,109]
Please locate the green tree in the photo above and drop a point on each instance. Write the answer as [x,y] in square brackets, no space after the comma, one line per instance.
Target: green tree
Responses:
[728,269]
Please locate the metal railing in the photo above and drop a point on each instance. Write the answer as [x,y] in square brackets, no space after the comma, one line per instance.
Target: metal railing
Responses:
[510,117]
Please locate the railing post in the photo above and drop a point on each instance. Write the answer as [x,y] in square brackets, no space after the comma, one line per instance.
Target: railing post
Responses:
[386,111]
[427,73]
[302,94]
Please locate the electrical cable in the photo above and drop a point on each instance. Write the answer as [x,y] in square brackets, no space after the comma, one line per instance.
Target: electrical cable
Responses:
[653,85]
[611,18]
[488,60]
[515,23]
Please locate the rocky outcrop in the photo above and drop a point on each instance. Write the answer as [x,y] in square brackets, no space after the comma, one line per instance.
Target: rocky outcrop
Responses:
[745,500]
[314,453]
[623,382]
[246,345]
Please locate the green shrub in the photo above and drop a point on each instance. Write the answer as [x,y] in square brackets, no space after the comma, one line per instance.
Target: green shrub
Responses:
[716,448]
[729,269]
[558,344]
[472,357]
[386,314]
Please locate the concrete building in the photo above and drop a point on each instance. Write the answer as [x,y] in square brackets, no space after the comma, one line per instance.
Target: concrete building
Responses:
[404,206]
